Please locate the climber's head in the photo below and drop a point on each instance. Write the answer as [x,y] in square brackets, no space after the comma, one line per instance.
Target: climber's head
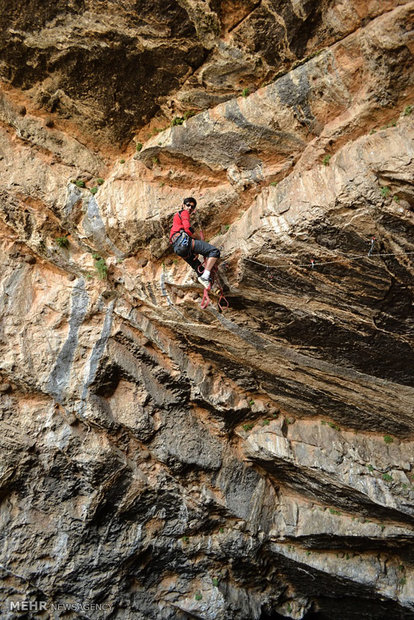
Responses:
[190,202]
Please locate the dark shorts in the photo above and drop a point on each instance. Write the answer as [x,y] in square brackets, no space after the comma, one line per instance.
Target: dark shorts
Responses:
[200,247]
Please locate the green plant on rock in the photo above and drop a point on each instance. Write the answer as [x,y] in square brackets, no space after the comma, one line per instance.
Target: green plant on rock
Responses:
[198,596]
[388,439]
[265,423]
[370,468]
[215,582]
[185,539]
[122,161]
[63,242]
[408,110]
[80,183]
[155,160]
[101,266]
[93,190]
[273,183]
[326,160]
[221,530]
[245,92]
[387,477]
[100,181]
[396,198]
[334,426]
[138,146]
[334,512]
[385,190]
[177,120]
[248,427]
[189,113]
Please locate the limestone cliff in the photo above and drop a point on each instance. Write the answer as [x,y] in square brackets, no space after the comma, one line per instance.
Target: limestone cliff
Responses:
[163,461]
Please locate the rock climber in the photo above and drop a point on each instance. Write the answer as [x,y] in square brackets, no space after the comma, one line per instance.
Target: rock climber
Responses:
[187,244]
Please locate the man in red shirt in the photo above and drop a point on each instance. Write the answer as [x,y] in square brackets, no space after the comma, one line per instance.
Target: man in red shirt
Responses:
[187,244]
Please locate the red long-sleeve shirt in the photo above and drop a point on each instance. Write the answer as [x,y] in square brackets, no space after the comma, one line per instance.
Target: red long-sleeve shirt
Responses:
[181,221]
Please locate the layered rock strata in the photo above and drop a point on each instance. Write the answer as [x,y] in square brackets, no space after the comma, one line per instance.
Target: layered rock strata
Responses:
[163,461]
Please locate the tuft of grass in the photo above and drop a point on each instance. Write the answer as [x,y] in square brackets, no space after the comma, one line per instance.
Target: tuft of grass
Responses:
[63,242]
[370,468]
[177,120]
[408,110]
[251,402]
[396,198]
[101,266]
[100,181]
[326,159]
[122,161]
[221,530]
[80,183]
[373,131]
[387,477]
[388,439]
[93,190]
[265,423]
[273,183]
[385,190]
[155,160]
[189,114]
[334,512]
[185,539]
[215,582]
[334,426]
[248,427]
[403,581]
[138,146]
[198,596]
[245,92]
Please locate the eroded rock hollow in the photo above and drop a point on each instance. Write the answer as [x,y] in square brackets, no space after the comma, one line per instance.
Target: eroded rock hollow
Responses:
[163,461]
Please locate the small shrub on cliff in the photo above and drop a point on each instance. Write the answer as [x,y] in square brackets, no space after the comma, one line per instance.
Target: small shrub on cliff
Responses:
[100,181]
[177,120]
[189,114]
[385,190]
[139,146]
[215,582]
[334,512]
[248,427]
[101,266]
[387,477]
[80,183]
[122,161]
[408,110]
[388,439]
[245,92]
[93,190]
[63,242]
[198,596]
[155,160]
[326,159]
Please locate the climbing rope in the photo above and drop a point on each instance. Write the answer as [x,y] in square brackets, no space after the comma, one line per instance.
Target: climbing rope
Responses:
[222,301]
[312,262]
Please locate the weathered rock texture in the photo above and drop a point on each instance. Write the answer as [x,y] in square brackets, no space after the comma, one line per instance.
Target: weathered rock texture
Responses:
[167,462]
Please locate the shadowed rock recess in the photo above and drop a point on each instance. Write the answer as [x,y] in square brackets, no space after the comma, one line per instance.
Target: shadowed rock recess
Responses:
[160,461]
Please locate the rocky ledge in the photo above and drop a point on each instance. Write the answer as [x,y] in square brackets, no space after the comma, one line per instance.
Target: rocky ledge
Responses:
[160,460]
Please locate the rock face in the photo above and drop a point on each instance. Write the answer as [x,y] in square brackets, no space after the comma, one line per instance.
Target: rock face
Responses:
[163,461]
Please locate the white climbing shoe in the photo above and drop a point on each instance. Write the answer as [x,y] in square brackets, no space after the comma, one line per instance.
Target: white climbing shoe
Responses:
[206,283]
